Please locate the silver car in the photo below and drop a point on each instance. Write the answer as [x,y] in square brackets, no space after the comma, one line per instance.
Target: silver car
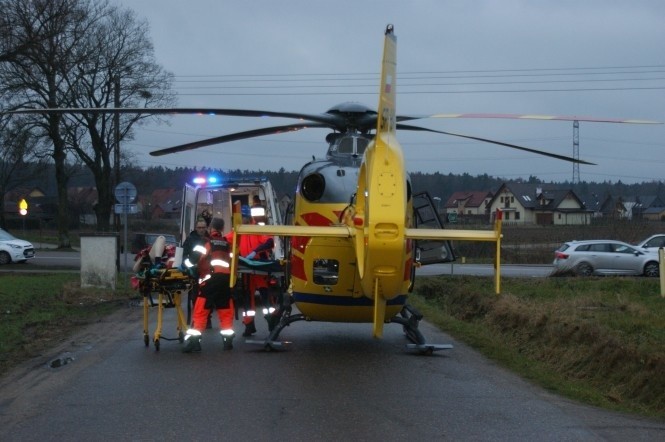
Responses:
[652,243]
[604,257]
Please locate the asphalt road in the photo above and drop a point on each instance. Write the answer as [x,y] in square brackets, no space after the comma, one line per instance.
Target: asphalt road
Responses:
[71,260]
[509,270]
[334,382]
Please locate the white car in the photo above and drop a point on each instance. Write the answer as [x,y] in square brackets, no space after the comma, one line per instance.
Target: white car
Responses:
[652,243]
[13,249]
[605,257]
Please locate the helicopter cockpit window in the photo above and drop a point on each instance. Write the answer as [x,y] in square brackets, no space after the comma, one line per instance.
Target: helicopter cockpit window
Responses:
[346,145]
[361,145]
[325,271]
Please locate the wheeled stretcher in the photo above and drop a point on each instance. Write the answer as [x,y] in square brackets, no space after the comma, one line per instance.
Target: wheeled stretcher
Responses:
[164,288]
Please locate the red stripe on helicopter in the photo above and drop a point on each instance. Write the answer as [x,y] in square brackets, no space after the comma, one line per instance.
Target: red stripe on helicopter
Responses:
[315,219]
[298,267]
[311,219]
[300,242]
[409,262]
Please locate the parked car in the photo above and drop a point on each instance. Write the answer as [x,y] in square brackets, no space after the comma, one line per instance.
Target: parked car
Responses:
[13,249]
[652,243]
[604,257]
[143,240]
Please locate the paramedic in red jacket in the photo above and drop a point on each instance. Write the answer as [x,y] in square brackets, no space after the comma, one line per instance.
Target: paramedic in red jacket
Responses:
[256,247]
[214,264]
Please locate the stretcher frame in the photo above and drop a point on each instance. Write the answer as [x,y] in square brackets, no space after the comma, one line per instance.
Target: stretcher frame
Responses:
[169,286]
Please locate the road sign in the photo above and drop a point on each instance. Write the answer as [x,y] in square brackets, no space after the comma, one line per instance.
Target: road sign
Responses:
[126,208]
[125,193]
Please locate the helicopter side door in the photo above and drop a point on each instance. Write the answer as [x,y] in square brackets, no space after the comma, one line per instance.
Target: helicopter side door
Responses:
[426,217]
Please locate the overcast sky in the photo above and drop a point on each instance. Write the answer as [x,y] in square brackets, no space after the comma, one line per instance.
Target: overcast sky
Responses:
[600,58]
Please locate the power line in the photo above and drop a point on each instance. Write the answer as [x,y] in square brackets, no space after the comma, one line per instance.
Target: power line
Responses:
[486,91]
[402,84]
[400,73]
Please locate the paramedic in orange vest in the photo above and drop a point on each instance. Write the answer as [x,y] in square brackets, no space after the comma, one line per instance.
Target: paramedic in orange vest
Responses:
[214,265]
[256,247]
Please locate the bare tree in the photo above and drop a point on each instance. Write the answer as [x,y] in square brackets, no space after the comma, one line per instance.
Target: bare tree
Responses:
[118,71]
[35,77]
[10,45]
[80,51]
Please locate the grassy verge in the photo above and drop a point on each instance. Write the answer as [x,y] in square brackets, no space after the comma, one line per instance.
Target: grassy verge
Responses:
[43,310]
[597,340]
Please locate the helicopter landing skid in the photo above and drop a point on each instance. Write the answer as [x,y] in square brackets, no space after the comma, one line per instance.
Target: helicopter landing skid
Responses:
[410,318]
[286,319]
[428,349]
[269,345]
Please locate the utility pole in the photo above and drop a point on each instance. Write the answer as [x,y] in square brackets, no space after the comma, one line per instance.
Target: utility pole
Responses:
[576,151]
[116,141]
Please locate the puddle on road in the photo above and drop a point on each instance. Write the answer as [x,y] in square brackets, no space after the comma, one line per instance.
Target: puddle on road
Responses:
[61,361]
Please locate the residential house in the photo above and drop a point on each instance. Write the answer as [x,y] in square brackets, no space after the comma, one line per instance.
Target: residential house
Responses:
[82,201]
[538,204]
[468,204]
[39,204]
[654,214]
[592,202]
[614,207]
[639,207]
[643,204]
[165,204]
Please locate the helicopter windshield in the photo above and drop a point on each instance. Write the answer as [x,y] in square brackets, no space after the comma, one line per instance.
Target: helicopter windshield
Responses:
[361,145]
[346,145]
[349,145]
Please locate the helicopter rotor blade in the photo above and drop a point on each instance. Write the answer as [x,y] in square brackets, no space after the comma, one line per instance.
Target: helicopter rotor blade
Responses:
[500,143]
[319,118]
[543,118]
[234,137]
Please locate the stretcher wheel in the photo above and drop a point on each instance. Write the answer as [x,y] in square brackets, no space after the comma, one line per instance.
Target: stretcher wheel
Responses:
[156,344]
[146,340]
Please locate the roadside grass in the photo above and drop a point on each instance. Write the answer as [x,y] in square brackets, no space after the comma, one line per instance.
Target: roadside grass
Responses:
[40,311]
[597,340]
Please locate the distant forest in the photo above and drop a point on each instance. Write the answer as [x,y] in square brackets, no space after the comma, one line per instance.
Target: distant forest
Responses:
[439,185]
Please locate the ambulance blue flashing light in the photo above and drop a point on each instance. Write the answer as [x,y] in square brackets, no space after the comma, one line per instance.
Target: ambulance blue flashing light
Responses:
[201,180]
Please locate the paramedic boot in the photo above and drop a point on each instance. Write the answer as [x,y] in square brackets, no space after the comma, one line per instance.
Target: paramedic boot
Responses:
[273,319]
[250,329]
[192,341]
[227,338]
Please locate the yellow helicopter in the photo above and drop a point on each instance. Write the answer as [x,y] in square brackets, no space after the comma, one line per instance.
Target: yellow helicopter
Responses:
[357,231]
